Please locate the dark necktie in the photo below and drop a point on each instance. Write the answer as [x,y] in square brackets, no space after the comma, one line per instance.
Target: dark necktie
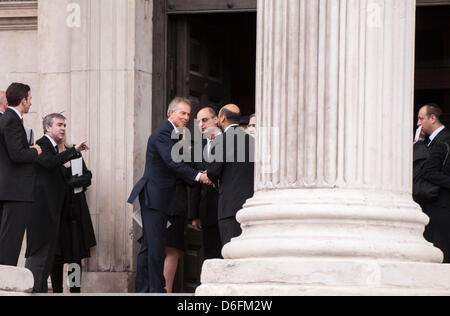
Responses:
[56,148]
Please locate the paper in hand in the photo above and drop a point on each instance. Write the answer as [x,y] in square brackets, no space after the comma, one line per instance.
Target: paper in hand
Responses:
[418,132]
[137,217]
[77,170]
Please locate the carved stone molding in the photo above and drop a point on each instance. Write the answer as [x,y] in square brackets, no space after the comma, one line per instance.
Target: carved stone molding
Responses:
[18,15]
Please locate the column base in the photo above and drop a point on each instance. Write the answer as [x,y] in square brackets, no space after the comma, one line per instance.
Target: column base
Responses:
[322,277]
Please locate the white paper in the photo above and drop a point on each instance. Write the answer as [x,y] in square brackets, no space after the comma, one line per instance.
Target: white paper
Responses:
[137,216]
[419,130]
[77,170]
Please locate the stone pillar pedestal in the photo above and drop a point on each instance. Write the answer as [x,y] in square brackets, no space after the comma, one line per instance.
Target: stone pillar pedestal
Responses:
[15,281]
[332,213]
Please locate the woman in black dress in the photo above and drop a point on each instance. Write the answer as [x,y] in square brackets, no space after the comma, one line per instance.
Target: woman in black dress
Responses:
[76,234]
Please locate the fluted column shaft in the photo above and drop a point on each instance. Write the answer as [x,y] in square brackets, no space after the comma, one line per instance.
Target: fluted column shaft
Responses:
[334,94]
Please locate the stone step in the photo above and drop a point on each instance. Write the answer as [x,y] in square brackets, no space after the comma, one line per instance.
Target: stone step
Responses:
[15,281]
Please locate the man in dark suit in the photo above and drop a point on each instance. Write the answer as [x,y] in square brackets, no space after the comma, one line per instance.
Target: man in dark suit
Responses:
[3,106]
[49,192]
[205,198]
[156,195]
[437,171]
[17,173]
[232,171]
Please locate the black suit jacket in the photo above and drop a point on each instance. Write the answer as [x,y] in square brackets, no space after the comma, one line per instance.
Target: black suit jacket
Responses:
[204,198]
[16,160]
[49,191]
[233,170]
[437,174]
[161,172]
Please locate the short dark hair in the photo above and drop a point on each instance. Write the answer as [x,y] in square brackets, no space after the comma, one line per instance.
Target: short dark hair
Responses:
[232,117]
[16,92]
[212,112]
[434,109]
[48,120]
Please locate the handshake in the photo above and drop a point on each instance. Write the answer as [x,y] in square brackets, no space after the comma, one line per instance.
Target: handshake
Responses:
[205,180]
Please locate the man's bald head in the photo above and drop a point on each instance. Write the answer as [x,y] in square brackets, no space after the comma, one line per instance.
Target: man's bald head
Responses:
[3,101]
[230,114]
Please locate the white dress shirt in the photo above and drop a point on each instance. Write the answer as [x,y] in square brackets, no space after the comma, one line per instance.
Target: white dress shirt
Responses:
[197,178]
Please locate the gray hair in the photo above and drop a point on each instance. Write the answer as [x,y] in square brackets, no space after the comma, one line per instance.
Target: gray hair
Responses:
[48,120]
[175,103]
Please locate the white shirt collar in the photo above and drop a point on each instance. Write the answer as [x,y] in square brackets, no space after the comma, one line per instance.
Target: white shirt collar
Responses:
[51,139]
[436,132]
[232,125]
[18,113]
[176,129]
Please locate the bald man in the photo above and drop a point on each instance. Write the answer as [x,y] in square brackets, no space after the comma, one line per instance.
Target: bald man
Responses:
[232,170]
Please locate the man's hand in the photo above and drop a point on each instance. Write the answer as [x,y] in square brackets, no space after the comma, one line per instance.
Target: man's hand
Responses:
[82,147]
[204,179]
[38,149]
[197,225]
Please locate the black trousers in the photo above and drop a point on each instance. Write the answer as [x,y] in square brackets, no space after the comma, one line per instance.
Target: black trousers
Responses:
[212,242]
[14,222]
[229,229]
[1,213]
[41,263]
[150,262]
[57,277]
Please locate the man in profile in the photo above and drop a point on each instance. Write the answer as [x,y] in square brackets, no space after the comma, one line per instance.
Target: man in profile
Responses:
[17,173]
[156,192]
[436,170]
[232,170]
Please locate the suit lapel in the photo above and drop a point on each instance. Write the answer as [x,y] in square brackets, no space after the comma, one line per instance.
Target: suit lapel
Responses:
[439,136]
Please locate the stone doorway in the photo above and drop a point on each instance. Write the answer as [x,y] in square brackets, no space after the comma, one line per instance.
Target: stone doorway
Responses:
[205,51]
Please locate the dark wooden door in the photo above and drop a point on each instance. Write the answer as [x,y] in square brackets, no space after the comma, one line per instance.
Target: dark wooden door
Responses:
[197,63]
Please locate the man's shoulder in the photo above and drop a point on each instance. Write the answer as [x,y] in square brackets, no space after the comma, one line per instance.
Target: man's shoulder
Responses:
[163,129]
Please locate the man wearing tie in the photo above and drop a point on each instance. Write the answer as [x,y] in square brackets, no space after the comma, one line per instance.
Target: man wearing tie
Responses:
[232,170]
[3,106]
[43,228]
[156,192]
[17,173]
[437,171]
[205,198]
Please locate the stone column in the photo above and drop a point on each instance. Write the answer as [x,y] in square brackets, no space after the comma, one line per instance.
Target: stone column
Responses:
[54,57]
[332,213]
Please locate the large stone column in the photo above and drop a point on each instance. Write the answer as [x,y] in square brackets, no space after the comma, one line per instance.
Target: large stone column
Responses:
[332,213]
